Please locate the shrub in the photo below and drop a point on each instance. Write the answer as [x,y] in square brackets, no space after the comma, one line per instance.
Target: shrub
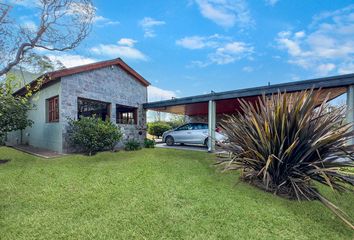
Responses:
[284,143]
[176,121]
[148,143]
[93,134]
[132,145]
[158,128]
[2,139]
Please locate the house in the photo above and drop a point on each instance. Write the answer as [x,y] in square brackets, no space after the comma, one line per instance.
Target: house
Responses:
[109,89]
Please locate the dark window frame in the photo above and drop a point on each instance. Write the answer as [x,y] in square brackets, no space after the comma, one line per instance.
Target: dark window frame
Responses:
[126,114]
[80,112]
[52,109]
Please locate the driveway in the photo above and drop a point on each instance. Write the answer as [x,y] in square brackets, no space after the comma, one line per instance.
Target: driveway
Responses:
[183,147]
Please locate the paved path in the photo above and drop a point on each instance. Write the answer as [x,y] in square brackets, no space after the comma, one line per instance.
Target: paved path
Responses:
[39,152]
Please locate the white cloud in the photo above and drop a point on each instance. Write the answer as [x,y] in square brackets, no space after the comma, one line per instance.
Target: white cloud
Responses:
[148,24]
[226,13]
[346,68]
[124,48]
[199,42]
[103,21]
[324,69]
[271,2]
[223,50]
[71,60]
[29,25]
[127,42]
[248,69]
[158,94]
[194,42]
[25,3]
[325,46]
[230,52]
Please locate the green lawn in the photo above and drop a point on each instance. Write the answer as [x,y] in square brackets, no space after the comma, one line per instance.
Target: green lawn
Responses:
[149,194]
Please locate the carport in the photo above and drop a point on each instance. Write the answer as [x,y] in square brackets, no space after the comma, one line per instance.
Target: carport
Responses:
[212,106]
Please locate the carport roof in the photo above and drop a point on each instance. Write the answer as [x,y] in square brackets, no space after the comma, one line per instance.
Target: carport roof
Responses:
[336,84]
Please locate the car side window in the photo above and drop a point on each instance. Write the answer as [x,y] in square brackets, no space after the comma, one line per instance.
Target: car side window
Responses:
[184,127]
[197,126]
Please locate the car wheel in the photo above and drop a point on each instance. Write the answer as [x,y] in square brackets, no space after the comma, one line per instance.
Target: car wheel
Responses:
[206,142]
[169,141]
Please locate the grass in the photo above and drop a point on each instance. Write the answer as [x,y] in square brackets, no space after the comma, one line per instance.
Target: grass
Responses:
[149,194]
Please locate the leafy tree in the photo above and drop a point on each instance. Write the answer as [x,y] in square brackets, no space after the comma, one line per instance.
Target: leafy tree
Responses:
[61,25]
[158,128]
[13,112]
[176,121]
[13,109]
[92,134]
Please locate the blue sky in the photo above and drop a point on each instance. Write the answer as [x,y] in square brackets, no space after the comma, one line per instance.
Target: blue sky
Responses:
[190,47]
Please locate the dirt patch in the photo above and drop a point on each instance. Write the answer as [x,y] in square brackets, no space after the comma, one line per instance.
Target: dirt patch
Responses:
[3,161]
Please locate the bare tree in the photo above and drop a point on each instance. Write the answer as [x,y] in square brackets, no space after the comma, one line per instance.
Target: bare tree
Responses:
[61,26]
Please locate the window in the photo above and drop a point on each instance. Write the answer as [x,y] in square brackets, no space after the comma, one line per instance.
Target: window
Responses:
[126,114]
[53,109]
[93,108]
[200,126]
[185,127]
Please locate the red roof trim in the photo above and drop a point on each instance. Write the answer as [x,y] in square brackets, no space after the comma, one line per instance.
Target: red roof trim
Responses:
[88,67]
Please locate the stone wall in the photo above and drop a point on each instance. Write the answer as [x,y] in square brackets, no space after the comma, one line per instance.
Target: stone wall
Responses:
[109,84]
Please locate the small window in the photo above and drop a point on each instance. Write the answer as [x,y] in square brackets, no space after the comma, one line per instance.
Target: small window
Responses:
[185,127]
[200,126]
[53,109]
[93,108]
[126,114]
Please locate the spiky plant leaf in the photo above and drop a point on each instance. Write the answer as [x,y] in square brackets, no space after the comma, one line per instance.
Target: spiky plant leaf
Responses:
[286,142]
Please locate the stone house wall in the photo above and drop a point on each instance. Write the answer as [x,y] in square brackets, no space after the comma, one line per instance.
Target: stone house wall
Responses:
[110,84]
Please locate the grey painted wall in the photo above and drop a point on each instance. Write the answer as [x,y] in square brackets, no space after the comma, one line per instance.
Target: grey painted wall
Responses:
[42,134]
[110,84]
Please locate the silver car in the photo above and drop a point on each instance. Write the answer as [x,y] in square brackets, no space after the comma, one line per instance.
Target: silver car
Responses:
[191,133]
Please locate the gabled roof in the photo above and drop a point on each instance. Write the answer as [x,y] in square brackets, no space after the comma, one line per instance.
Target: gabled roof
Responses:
[55,75]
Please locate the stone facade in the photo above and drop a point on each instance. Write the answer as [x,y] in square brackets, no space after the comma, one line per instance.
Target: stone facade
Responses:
[110,84]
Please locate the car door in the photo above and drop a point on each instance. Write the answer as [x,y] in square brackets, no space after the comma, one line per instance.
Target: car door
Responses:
[200,133]
[183,134]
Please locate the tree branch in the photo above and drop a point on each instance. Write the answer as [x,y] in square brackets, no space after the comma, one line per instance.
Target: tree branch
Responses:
[63,24]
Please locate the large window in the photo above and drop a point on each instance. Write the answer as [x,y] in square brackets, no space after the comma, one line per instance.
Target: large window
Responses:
[126,114]
[93,108]
[53,109]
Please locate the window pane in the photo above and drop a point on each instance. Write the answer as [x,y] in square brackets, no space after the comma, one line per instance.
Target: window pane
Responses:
[126,114]
[184,127]
[52,110]
[92,108]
